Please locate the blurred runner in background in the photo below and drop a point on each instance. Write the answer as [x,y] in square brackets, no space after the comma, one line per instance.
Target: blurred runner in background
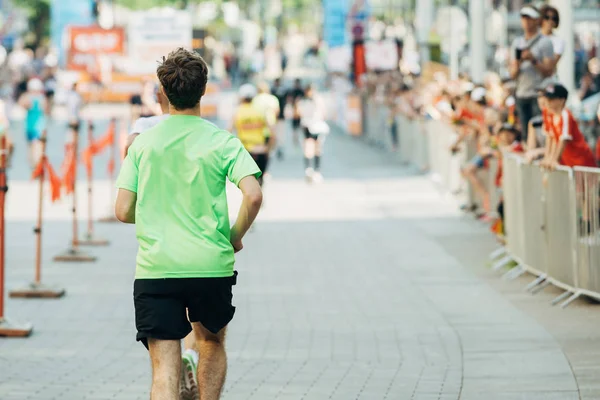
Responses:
[250,125]
[74,103]
[34,102]
[280,127]
[294,96]
[312,111]
[268,104]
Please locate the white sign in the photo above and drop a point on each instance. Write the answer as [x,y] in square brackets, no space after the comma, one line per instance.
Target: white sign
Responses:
[152,35]
[382,55]
[339,59]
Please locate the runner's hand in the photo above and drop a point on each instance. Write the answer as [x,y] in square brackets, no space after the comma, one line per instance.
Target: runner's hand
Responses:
[237,245]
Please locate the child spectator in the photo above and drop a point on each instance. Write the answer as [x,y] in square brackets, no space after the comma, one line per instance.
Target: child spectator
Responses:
[509,141]
[566,144]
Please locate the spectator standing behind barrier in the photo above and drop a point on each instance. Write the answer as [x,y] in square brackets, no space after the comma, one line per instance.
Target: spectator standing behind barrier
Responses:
[532,61]
[536,137]
[550,21]
[566,144]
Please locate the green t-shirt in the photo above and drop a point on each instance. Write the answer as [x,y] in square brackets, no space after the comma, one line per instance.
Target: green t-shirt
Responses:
[178,169]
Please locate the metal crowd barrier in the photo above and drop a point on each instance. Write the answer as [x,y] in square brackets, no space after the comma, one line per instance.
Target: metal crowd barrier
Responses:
[552,227]
[551,219]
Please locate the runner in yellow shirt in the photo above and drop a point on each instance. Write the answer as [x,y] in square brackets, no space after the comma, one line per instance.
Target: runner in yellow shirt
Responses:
[251,127]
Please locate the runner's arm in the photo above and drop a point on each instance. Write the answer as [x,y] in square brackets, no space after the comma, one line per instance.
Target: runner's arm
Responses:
[252,200]
[125,206]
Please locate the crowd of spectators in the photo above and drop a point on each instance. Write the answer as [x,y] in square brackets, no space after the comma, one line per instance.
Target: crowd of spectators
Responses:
[526,113]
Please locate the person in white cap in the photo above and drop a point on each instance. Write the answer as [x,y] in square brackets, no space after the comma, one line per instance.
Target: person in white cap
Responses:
[532,62]
[35,104]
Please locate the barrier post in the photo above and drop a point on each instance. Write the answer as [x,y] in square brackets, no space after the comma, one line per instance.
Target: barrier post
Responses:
[8,328]
[37,289]
[89,237]
[73,254]
[111,218]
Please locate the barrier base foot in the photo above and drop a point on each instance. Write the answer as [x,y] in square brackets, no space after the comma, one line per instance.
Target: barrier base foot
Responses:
[74,255]
[497,253]
[10,328]
[540,287]
[90,241]
[514,273]
[109,219]
[38,291]
[561,298]
[571,299]
[540,279]
[501,263]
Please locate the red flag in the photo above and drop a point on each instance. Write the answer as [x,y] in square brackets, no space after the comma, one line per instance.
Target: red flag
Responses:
[97,146]
[43,167]
[68,169]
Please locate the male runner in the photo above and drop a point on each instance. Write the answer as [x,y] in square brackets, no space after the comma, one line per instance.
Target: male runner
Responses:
[313,113]
[185,261]
[188,385]
[294,96]
[268,104]
[250,125]
[280,127]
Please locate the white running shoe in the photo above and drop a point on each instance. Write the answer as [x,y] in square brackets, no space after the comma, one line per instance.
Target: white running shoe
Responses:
[188,386]
[308,173]
[317,177]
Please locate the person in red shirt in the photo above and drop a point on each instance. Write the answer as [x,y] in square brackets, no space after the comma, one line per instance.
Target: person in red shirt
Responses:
[566,144]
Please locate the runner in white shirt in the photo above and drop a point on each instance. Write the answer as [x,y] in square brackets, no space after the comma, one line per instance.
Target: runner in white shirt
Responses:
[144,123]
[312,110]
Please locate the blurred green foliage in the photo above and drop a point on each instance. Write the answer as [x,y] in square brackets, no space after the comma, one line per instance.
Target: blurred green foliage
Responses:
[39,20]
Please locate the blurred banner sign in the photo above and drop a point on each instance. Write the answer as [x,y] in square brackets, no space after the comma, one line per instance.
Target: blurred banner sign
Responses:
[87,43]
[339,59]
[154,34]
[382,55]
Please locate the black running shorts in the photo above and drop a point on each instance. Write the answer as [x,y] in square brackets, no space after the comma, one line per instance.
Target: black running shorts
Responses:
[308,135]
[162,306]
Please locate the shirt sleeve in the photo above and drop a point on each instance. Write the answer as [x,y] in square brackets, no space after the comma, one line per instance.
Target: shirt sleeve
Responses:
[566,128]
[547,49]
[559,45]
[138,126]
[513,48]
[128,176]
[237,161]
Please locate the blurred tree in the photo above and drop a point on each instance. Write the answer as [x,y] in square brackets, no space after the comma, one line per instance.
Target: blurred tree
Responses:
[39,19]
[145,4]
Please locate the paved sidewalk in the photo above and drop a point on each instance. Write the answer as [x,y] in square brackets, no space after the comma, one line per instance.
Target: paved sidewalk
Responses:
[352,289]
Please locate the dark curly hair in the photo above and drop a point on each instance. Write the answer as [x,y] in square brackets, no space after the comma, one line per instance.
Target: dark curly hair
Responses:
[183,75]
